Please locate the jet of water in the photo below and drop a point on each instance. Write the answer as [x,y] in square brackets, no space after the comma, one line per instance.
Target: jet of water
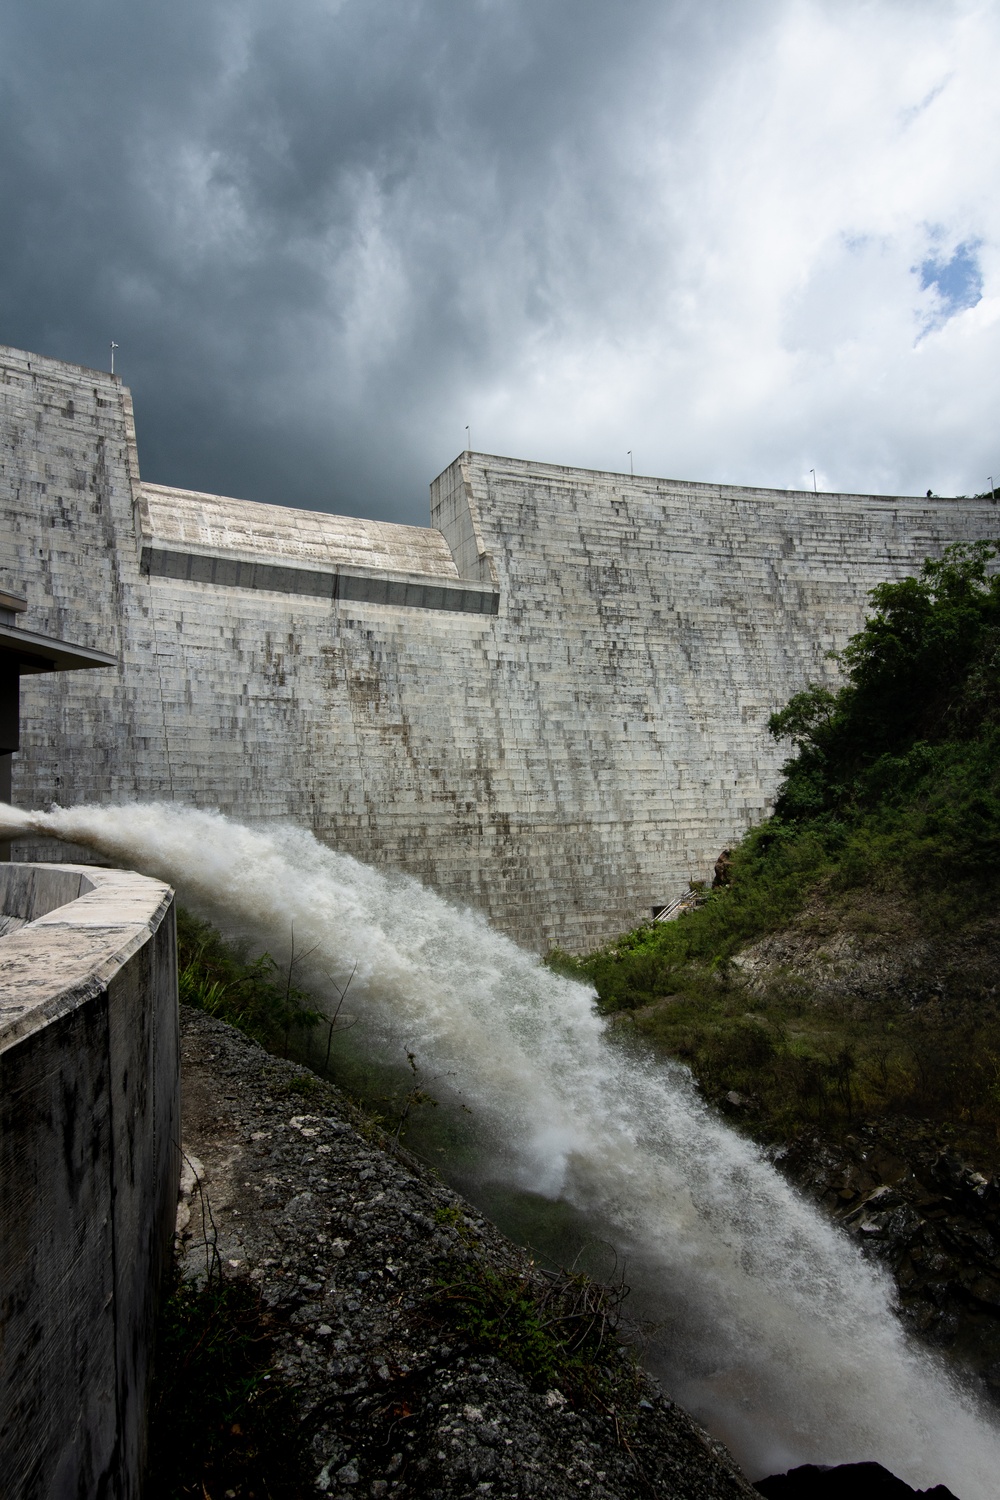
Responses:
[767,1323]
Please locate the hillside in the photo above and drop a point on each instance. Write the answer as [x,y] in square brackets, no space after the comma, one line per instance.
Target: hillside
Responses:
[835,992]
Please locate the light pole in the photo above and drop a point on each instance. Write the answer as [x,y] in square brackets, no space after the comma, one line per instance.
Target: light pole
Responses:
[114,346]
[813,473]
[631,465]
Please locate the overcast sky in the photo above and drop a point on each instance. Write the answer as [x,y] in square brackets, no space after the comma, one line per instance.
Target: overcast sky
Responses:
[744,240]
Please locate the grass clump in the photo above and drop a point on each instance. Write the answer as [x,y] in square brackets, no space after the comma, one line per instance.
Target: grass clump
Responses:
[254,995]
[451,1217]
[553,1328]
[222,1421]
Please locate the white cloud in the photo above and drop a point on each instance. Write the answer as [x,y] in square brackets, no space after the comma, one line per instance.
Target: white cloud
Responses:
[339,232]
[784,318]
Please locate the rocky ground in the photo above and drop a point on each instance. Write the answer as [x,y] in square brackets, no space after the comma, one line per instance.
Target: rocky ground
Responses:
[350,1246]
[927,1215]
[870,949]
[930,1211]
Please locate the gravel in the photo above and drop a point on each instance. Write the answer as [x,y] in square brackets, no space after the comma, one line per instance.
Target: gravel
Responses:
[286,1184]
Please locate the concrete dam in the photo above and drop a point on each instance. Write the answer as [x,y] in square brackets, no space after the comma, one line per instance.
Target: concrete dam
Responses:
[550,703]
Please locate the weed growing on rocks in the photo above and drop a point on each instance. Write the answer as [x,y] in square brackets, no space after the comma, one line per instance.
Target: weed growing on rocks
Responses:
[222,1421]
[252,994]
[553,1329]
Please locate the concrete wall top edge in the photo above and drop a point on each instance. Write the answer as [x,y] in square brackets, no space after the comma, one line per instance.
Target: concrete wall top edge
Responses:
[47,364]
[572,474]
[28,892]
[246,527]
[53,367]
[63,957]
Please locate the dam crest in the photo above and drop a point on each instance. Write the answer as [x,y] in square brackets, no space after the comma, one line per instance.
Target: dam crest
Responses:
[550,703]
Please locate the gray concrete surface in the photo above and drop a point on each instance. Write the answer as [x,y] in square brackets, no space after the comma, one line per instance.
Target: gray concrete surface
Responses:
[564,763]
[89,1125]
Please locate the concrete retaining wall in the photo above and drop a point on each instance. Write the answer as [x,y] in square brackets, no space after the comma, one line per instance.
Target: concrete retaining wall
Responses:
[89,1123]
[551,703]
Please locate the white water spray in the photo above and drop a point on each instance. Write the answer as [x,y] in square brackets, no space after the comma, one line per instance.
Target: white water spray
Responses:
[769,1325]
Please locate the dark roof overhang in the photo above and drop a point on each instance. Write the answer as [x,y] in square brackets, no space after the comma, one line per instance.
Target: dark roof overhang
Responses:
[28,653]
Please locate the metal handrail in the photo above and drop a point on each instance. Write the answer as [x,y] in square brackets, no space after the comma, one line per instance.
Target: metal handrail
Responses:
[685,902]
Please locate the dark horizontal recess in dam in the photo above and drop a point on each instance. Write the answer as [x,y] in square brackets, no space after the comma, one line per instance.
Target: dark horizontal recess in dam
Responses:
[228,572]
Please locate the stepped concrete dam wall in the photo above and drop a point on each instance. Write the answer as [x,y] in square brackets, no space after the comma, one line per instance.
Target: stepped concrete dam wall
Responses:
[550,703]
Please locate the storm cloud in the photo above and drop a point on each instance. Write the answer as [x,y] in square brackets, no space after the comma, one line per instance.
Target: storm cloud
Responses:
[744,242]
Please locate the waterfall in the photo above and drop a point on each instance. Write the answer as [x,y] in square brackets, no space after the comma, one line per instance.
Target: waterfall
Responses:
[764,1320]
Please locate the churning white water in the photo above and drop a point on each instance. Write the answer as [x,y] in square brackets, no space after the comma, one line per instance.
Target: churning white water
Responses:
[767,1324]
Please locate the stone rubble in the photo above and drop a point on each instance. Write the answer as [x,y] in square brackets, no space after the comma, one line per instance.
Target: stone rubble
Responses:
[930,1218]
[346,1243]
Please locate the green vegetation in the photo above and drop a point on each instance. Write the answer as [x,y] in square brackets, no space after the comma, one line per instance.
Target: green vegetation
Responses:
[252,994]
[886,833]
[221,1420]
[899,770]
[260,998]
[552,1328]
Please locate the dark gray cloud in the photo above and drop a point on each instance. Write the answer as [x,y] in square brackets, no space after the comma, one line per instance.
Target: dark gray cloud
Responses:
[327,235]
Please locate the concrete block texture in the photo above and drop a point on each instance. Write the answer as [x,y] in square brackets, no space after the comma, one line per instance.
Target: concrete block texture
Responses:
[551,703]
[89,1158]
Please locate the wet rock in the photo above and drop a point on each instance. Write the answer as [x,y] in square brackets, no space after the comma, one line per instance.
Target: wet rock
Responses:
[932,1219]
[867,1481]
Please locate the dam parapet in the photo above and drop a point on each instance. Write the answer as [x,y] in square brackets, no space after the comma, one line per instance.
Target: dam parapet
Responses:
[89,1161]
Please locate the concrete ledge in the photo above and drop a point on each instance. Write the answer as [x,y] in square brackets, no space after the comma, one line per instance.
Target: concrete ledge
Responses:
[88,1171]
[403,591]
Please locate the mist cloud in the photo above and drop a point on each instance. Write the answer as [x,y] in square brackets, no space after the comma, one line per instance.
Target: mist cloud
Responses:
[744,242]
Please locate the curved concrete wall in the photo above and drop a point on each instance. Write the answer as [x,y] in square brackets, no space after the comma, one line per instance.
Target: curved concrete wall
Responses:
[89,1110]
[551,703]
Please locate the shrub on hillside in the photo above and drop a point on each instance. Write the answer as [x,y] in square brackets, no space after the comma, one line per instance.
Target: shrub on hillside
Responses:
[893,789]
